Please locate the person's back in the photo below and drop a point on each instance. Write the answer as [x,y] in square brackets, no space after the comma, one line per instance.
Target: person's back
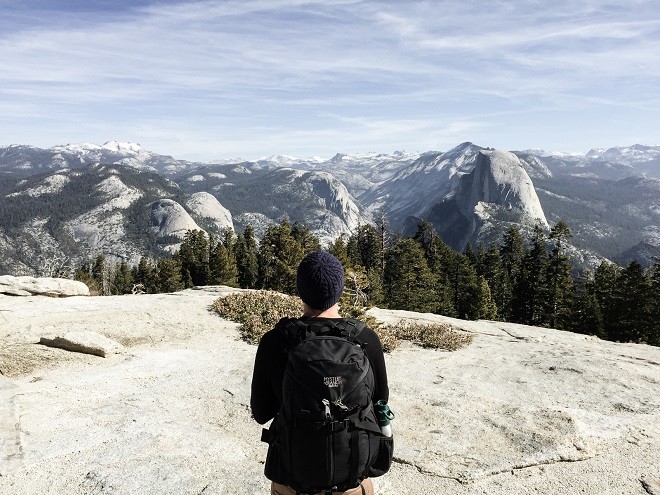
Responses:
[319,377]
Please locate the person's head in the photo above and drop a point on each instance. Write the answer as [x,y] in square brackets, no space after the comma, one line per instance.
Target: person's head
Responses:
[320,280]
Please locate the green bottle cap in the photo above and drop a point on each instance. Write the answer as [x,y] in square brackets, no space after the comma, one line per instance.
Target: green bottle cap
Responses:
[383,413]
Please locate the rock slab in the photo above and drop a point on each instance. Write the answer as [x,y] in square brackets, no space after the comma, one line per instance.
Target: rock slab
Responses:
[521,410]
[29,286]
[84,342]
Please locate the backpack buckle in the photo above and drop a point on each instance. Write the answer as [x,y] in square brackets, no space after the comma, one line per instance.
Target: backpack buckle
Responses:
[336,426]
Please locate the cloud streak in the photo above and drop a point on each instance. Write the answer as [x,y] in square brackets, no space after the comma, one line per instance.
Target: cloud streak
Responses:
[329,74]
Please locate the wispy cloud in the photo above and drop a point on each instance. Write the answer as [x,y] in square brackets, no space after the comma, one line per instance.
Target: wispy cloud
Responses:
[325,74]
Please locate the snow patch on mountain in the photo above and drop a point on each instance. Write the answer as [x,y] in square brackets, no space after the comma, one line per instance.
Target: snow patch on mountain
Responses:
[636,153]
[534,166]
[113,146]
[552,154]
[554,195]
[279,160]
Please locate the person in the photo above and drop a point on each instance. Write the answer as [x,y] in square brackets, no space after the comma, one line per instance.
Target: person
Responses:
[320,284]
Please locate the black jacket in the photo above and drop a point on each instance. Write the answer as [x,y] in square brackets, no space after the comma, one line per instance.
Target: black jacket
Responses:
[270,363]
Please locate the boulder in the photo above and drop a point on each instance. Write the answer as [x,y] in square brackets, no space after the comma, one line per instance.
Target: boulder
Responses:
[84,342]
[29,286]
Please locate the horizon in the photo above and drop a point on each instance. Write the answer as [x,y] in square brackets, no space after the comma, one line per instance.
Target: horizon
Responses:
[325,158]
[204,81]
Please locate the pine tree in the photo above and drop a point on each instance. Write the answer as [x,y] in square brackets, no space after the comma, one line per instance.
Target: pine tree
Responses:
[339,250]
[365,253]
[654,330]
[529,304]
[384,238]
[169,275]
[633,305]
[467,288]
[586,316]
[605,283]
[470,255]
[487,309]
[408,281]
[122,282]
[193,255]
[511,253]
[147,276]
[559,280]
[279,257]
[489,265]
[222,266]
[84,274]
[101,274]
[368,244]
[442,262]
[307,241]
[247,259]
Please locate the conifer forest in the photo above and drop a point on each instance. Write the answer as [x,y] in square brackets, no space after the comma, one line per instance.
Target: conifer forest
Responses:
[522,280]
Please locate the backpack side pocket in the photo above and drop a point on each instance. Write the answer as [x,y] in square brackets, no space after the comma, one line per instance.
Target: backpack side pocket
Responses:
[384,458]
[274,468]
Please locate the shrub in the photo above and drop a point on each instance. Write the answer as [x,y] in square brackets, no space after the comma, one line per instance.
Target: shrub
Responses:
[433,335]
[259,311]
[387,337]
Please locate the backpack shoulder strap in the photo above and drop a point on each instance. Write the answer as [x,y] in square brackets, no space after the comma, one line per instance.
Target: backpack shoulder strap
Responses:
[350,328]
[293,332]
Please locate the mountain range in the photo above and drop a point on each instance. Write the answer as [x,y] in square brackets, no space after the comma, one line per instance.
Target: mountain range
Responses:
[75,201]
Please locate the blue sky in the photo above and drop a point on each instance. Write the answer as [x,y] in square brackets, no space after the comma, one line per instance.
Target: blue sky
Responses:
[248,78]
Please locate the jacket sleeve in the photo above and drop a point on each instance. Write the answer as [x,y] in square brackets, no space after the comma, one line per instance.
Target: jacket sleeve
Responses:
[374,350]
[263,401]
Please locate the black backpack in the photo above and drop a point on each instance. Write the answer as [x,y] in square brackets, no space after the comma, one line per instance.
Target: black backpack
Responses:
[325,436]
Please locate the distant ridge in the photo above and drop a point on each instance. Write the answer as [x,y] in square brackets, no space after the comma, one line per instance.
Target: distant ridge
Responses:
[608,197]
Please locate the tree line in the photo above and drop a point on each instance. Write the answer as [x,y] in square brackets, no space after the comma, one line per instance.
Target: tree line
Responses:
[529,281]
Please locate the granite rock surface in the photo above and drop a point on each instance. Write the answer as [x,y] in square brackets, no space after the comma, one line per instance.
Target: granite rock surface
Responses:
[521,410]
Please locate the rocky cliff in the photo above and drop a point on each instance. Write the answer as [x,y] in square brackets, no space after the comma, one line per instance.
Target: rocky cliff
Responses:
[496,190]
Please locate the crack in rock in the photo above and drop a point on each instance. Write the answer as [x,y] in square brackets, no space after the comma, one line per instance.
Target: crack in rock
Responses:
[517,337]
[423,471]
[467,478]
[651,485]
[12,445]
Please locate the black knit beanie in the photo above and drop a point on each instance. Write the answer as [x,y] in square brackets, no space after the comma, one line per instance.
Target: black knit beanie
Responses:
[320,280]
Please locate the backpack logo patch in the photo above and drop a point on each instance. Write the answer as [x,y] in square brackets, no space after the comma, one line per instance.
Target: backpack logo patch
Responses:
[332,381]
